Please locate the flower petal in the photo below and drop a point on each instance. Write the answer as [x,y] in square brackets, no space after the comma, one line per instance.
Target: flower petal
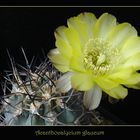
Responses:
[92,97]
[54,52]
[83,24]
[132,80]
[64,83]
[82,81]
[120,74]
[120,34]
[131,47]
[104,25]
[106,83]
[70,36]
[133,62]
[134,86]
[125,77]
[59,61]
[112,88]
[76,64]
[61,42]
[118,92]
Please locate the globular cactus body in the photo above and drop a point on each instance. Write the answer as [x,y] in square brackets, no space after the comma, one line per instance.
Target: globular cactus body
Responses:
[35,100]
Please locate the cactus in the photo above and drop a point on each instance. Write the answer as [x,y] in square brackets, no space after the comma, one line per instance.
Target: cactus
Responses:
[31,98]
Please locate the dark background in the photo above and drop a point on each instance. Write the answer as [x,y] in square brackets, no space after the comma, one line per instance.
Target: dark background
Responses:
[33,29]
[69,2]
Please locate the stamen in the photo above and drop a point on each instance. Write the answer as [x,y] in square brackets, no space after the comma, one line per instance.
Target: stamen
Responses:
[99,56]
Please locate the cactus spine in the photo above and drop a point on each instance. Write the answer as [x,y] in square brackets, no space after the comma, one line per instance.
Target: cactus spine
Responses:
[31,98]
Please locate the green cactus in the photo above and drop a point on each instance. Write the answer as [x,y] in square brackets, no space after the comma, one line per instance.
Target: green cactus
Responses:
[34,99]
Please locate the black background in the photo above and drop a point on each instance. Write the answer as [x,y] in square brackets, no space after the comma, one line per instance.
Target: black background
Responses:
[69,2]
[33,28]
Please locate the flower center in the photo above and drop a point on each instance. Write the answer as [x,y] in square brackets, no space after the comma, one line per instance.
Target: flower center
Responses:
[99,56]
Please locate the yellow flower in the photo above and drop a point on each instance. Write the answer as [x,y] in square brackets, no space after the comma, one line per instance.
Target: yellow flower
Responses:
[97,55]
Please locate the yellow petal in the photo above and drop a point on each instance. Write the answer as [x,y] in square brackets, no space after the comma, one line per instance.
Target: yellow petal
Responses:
[61,42]
[136,86]
[106,83]
[133,62]
[118,92]
[82,81]
[83,24]
[125,76]
[120,74]
[131,47]
[73,39]
[120,33]
[133,79]
[60,62]
[76,64]
[88,18]
[104,25]
[70,36]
